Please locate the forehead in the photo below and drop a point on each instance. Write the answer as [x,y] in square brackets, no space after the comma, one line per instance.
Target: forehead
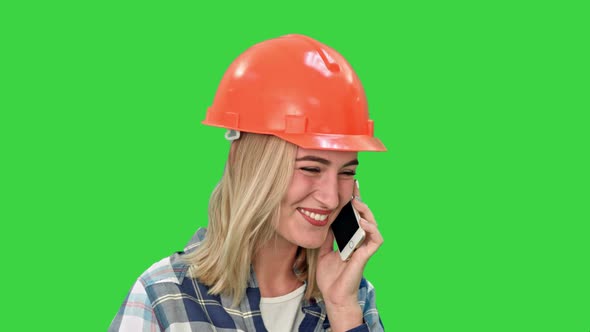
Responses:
[334,156]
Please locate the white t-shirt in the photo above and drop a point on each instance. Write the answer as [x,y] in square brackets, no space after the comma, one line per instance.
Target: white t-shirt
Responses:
[283,313]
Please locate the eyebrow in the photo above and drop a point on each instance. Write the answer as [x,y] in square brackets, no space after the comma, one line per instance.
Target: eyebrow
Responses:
[326,161]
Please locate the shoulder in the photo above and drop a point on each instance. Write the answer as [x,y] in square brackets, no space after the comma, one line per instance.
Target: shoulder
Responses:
[366,299]
[366,289]
[169,269]
[366,295]
[138,311]
[172,269]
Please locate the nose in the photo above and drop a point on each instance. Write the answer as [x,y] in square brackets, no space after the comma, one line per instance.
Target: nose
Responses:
[327,192]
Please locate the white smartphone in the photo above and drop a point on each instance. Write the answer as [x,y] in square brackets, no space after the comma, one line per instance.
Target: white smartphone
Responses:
[347,231]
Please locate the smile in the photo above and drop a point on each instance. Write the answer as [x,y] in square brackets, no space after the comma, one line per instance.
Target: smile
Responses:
[315,218]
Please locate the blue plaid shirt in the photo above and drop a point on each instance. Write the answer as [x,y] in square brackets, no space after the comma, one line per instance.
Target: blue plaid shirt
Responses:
[164,298]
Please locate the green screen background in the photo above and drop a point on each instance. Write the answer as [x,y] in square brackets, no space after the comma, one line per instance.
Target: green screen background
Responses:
[482,197]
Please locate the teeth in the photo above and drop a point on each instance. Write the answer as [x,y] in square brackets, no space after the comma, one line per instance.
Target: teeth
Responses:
[315,216]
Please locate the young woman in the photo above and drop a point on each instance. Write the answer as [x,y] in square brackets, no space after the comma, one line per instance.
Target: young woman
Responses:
[297,116]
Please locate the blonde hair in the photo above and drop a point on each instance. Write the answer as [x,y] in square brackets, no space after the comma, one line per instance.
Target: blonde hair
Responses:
[243,214]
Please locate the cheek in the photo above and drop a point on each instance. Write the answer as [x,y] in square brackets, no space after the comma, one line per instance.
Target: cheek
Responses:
[345,190]
[299,188]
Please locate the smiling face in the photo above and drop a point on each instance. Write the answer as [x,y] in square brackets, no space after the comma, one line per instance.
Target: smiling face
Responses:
[322,184]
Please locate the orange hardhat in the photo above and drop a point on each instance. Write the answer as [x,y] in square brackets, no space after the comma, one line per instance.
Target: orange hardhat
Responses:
[298,89]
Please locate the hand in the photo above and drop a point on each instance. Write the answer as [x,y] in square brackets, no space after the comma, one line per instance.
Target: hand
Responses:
[339,281]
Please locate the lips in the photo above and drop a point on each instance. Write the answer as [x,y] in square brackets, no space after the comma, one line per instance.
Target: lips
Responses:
[315,217]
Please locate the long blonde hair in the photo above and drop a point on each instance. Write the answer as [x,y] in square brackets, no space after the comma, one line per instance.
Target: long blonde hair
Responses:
[243,214]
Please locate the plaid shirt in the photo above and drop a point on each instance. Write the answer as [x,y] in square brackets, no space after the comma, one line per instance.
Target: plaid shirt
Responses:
[165,299]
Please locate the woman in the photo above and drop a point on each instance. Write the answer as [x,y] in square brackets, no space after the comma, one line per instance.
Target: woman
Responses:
[297,116]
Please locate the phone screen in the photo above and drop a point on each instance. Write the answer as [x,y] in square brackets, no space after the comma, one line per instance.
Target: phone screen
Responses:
[344,226]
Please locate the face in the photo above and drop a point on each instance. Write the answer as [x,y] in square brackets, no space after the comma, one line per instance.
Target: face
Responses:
[322,184]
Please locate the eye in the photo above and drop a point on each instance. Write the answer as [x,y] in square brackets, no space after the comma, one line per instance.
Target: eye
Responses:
[348,173]
[310,169]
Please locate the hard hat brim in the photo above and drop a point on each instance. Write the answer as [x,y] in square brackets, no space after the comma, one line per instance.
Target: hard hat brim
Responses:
[334,142]
[315,141]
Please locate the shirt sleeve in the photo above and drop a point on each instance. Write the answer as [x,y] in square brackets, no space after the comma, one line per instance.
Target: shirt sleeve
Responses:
[136,314]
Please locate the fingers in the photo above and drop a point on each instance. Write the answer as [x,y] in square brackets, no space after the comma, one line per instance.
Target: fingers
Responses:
[361,207]
[364,211]
[373,238]
[356,191]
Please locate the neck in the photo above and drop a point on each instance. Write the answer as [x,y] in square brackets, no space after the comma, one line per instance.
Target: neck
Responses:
[273,265]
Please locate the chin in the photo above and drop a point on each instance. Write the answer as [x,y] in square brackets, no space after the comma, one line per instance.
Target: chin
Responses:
[310,246]
[312,242]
